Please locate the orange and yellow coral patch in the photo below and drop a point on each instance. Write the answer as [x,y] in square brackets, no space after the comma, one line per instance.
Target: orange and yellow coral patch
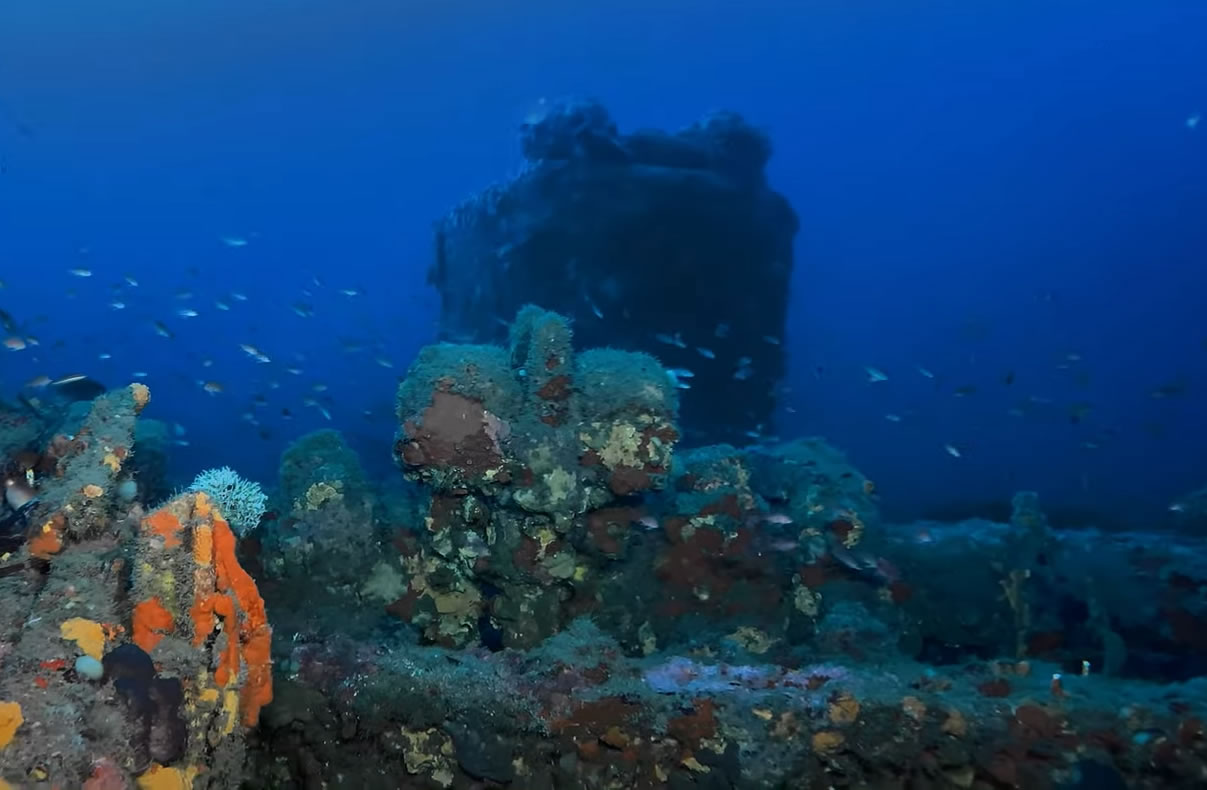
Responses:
[88,635]
[221,589]
[10,720]
[48,539]
[252,641]
[166,525]
[162,777]
[151,622]
[141,394]
[203,545]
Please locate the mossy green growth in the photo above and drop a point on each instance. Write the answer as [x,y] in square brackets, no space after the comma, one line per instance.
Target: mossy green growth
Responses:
[321,457]
[725,471]
[556,488]
[477,372]
[615,382]
[538,336]
[815,478]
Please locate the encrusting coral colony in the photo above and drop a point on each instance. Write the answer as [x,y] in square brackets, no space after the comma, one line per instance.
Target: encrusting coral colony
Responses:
[135,646]
[562,597]
[557,592]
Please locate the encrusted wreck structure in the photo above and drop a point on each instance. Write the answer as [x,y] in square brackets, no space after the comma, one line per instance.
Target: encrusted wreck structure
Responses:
[561,596]
[134,647]
[584,606]
[669,243]
[517,445]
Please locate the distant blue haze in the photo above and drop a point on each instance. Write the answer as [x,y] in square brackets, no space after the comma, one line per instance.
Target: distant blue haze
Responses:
[984,187]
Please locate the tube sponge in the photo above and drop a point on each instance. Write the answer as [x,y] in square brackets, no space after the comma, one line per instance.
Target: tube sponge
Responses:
[241,501]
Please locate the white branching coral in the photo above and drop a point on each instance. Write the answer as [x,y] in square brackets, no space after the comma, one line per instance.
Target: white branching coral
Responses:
[241,501]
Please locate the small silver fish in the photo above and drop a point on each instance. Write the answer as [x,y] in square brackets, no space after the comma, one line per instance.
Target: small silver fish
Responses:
[707,353]
[649,522]
[875,375]
[254,352]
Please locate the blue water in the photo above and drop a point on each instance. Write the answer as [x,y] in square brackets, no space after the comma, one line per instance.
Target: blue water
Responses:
[983,188]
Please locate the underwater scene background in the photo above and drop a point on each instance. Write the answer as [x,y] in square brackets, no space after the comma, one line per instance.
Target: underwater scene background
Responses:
[603,395]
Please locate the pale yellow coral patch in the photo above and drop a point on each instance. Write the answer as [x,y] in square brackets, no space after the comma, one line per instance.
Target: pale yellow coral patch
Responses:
[88,635]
